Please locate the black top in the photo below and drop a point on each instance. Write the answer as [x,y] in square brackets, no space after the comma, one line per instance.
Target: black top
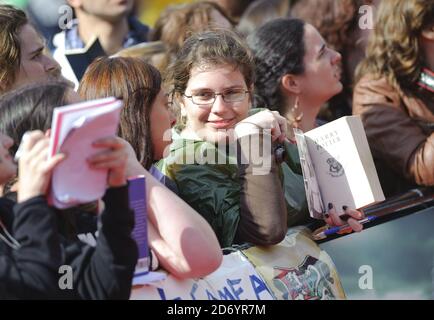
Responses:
[101,272]
[105,271]
[30,271]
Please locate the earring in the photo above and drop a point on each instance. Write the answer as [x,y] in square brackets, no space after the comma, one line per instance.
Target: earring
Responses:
[183,116]
[295,114]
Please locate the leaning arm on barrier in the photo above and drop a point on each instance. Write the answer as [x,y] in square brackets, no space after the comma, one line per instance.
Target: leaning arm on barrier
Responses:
[183,241]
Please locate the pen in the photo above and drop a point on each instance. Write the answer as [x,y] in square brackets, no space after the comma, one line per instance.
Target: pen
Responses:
[334,230]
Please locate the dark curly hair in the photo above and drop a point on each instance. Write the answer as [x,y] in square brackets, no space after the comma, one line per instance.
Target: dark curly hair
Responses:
[278,48]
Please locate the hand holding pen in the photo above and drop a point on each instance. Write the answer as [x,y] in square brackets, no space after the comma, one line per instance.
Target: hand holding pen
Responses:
[328,232]
[348,222]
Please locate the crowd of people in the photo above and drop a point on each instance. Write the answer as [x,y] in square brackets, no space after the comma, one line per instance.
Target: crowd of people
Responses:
[198,89]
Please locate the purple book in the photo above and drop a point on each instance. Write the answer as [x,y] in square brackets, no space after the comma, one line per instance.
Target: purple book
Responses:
[137,200]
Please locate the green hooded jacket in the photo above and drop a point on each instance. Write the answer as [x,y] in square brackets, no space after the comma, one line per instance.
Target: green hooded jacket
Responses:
[213,189]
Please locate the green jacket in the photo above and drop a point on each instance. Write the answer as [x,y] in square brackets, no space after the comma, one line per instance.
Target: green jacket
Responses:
[213,190]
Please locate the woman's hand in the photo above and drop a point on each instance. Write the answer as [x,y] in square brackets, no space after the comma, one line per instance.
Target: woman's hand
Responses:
[34,167]
[114,159]
[266,119]
[351,216]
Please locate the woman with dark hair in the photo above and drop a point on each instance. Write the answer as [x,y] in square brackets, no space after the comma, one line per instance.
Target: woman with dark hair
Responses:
[296,73]
[395,95]
[183,242]
[339,22]
[30,110]
[25,110]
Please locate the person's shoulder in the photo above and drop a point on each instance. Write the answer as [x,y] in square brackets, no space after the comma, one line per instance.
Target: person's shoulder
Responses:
[378,85]
[371,90]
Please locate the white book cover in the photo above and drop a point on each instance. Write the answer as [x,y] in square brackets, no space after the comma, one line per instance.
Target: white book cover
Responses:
[74,129]
[338,167]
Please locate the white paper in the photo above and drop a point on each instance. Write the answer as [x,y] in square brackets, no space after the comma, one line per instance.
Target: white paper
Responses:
[73,181]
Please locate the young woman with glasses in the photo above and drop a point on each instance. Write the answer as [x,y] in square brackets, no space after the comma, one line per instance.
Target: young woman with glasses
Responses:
[215,162]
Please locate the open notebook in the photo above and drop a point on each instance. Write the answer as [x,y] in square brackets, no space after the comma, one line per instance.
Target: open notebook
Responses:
[74,129]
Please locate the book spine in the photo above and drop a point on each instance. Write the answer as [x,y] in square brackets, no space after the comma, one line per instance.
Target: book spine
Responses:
[137,202]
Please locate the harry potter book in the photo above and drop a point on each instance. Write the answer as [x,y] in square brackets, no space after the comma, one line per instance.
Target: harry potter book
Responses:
[137,201]
[338,167]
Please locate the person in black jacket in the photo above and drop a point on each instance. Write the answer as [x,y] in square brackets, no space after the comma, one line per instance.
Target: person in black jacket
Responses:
[106,270]
[103,270]
[30,252]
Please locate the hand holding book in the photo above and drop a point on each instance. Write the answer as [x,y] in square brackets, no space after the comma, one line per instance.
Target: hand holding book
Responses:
[338,168]
[351,216]
[113,158]
[34,166]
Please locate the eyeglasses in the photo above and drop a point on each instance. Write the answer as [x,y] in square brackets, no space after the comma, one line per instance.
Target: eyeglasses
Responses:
[207,98]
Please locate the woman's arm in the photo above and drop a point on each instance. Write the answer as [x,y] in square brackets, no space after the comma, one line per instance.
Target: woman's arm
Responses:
[183,241]
[263,218]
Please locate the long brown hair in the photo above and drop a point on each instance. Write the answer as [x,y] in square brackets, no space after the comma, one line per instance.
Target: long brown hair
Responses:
[11,22]
[137,83]
[394,50]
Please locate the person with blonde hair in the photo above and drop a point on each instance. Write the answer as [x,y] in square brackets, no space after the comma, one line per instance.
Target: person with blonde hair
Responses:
[395,94]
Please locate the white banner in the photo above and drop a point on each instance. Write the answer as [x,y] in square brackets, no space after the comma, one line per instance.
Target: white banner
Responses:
[235,279]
